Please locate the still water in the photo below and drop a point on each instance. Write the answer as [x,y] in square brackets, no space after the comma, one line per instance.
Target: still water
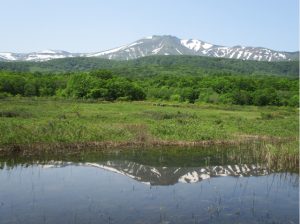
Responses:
[147,186]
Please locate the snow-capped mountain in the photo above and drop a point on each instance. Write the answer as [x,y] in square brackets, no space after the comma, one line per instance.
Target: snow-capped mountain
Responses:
[168,175]
[36,56]
[162,45]
[170,45]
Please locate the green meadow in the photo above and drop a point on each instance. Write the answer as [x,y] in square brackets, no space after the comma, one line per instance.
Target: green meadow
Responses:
[27,121]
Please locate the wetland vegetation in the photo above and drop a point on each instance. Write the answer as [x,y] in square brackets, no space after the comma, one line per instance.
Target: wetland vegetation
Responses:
[35,124]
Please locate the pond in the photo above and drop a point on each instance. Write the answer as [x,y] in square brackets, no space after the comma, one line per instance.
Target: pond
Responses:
[208,185]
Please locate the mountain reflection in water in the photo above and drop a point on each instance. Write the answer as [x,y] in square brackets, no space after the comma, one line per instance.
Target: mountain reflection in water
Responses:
[168,175]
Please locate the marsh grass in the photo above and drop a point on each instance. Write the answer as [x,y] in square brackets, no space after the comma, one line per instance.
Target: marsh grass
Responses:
[282,156]
[32,123]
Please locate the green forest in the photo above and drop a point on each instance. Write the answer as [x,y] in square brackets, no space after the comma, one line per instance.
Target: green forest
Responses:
[157,65]
[260,90]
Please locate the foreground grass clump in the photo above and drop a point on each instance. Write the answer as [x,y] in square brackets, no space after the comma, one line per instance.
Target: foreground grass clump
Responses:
[30,121]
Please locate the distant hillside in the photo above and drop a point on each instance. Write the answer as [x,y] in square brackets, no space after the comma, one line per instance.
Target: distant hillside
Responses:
[152,65]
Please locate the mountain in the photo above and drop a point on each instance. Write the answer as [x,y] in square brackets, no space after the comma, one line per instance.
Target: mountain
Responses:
[170,45]
[36,56]
[162,45]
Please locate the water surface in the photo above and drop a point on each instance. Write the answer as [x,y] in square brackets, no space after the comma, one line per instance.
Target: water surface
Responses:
[147,186]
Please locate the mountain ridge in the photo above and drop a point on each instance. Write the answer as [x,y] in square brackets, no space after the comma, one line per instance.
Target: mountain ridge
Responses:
[162,45]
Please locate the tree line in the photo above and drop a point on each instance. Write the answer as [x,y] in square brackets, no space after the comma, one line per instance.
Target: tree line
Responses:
[159,64]
[106,85]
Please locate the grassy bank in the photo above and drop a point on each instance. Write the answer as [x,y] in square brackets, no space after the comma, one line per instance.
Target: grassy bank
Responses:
[38,123]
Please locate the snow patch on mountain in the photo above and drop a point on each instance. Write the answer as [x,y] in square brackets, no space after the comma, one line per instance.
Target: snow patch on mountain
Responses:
[106,52]
[149,37]
[195,45]
[7,56]
[155,51]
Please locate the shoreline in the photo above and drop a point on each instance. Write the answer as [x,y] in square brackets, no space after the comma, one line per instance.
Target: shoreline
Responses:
[75,147]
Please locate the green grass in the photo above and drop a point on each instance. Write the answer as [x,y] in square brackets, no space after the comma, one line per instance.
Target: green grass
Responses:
[26,121]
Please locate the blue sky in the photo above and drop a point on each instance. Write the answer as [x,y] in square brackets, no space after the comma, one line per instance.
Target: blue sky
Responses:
[94,25]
